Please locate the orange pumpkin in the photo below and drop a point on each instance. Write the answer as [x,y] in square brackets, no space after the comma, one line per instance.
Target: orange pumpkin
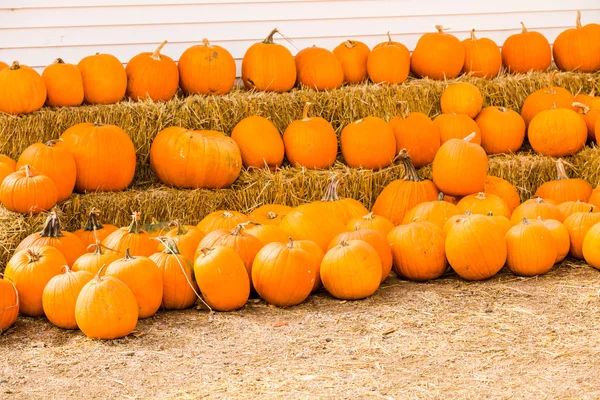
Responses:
[578,49]
[221,220]
[591,243]
[206,69]
[371,221]
[93,262]
[104,79]
[504,189]
[389,62]
[456,126]
[269,214]
[460,167]
[94,231]
[560,234]
[268,66]
[536,208]
[3,65]
[259,141]
[316,254]
[418,135]
[353,56]
[104,156]
[152,75]
[520,240]
[557,132]
[343,209]
[546,99]
[132,238]
[438,55]
[502,130]
[501,221]
[187,238]
[310,142]
[564,188]
[8,161]
[64,84]
[368,143]
[60,295]
[222,278]
[595,197]
[482,203]
[461,98]
[318,69]
[267,233]
[307,222]
[590,116]
[5,170]
[22,90]
[28,191]
[218,155]
[9,302]
[577,225]
[482,57]
[436,211]
[526,51]
[571,207]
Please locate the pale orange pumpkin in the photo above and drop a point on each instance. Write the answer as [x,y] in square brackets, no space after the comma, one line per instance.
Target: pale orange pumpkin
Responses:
[535,208]
[438,55]
[546,99]
[60,295]
[570,207]
[388,63]
[524,237]
[526,51]
[371,221]
[318,69]
[132,238]
[267,233]
[578,49]
[577,225]
[269,214]
[64,84]
[104,79]
[187,238]
[561,237]
[482,203]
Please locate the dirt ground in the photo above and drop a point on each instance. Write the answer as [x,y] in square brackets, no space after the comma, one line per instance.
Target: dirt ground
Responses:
[508,337]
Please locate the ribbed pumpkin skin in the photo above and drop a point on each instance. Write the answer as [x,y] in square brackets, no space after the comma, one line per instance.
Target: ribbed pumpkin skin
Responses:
[504,189]
[343,209]
[351,270]
[526,51]
[482,57]
[389,63]
[144,278]
[104,155]
[22,90]
[368,143]
[318,69]
[436,212]
[206,69]
[560,234]
[353,56]
[283,275]
[30,270]
[138,242]
[153,75]
[545,99]
[456,126]
[64,84]
[502,130]
[9,303]
[106,309]
[373,238]
[316,254]
[55,162]
[221,219]
[578,49]
[371,221]
[418,251]
[268,66]
[93,230]
[93,262]
[179,284]
[536,208]
[195,159]
[578,224]
[418,135]
[482,203]
[269,214]
[531,249]
[268,234]
[565,189]
[222,278]
[60,295]
[462,98]
[28,191]
[310,223]
[438,56]
[259,141]
[557,133]
[476,248]
[571,207]
[590,246]
[187,238]
[104,79]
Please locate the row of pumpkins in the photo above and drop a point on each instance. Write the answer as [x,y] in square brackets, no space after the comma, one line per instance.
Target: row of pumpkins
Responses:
[102,279]
[268,66]
[94,157]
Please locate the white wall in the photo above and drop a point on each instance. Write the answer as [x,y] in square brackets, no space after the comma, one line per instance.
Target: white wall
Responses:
[38,31]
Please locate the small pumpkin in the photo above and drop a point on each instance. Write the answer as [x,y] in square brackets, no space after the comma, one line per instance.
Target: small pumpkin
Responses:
[502,130]
[399,196]
[104,79]
[143,277]
[283,274]
[206,69]
[563,188]
[269,214]
[310,142]
[557,132]
[22,90]
[94,231]
[152,75]
[9,302]
[418,135]
[342,208]
[526,51]
[92,262]
[438,55]
[521,239]
[30,270]
[187,238]
[371,221]
[457,126]
[482,57]
[267,233]
[577,225]
[64,84]
[570,207]
[560,234]
[546,99]
[461,98]
[106,308]
[460,167]
[222,278]
[591,243]
[60,295]
[437,212]
[353,56]
[535,208]
[269,66]
[482,203]
[318,69]
[368,143]
[28,191]
[259,141]
[504,189]
[418,251]
[578,49]
[307,222]
[221,220]
[388,63]
[132,238]
[351,270]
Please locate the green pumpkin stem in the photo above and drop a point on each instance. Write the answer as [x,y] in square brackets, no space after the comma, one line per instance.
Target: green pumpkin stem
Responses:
[135,227]
[409,169]
[180,229]
[156,54]
[52,226]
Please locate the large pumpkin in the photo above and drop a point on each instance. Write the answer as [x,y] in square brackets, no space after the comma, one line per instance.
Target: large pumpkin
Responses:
[221,219]
[268,66]
[389,62]
[152,75]
[578,49]
[436,211]
[531,249]
[564,188]
[259,141]
[456,126]
[461,98]
[53,161]
[22,90]
[353,56]
[418,135]
[132,238]
[195,159]
[104,156]
[546,99]
[371,221]
[28,191]
[206,69]
[502,130]
[401,195]
[60,295]
[104,79]
[577,225]
[557,132]
[9,304]
[310,142]
[64,84]
[482,57]
[526,51]
[460,167]
[438,55]
[94,231]
[368,143]
[318,69]
[504,189]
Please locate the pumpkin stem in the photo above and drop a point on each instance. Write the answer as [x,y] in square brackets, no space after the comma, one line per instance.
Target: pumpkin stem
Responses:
[440,28]
[206,43]
[28,172]
[305,111]
[134,227]
[97,124]
[331,193]
[156,54]
[578,20]
[128,255]
[66,269]
[440,197]
[227,214]
[410,173]
[53,142]
[389,37]
[98,248]
[269,39]
[560,169]
[58,61]
[502,109]
[369,216]
[33,256]
[551,83]
[15,65]
[92,223]
[480,196]
[98,277]
[525,221]
[349,44]
[206,251]
[524,30]
[237,231]
[490,214]
[470,137]
[52,226]
[344,243]
[180,229]
[290,244]
[169,243]
[468,213]
[584,108]
[271,215]
[473,38]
